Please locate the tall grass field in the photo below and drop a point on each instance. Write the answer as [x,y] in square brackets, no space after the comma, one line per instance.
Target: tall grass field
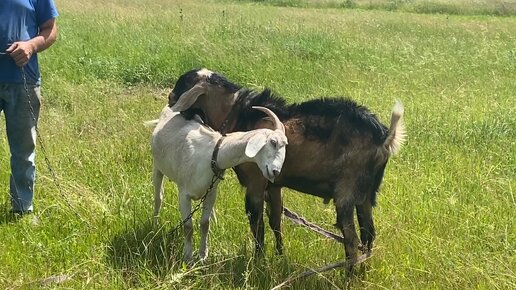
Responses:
[446,214]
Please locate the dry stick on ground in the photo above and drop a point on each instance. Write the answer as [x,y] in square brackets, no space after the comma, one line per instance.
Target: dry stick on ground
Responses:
[360,259]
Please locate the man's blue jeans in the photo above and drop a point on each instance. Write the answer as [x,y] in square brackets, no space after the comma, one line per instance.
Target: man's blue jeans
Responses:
[21,122]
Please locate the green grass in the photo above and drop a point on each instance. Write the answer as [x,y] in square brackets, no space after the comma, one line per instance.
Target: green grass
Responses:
[458,7]
[445,215]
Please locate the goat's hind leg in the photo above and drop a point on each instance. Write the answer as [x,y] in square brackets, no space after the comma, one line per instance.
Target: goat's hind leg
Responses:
[157,181]
[365,221]
[207,210]
[345,222]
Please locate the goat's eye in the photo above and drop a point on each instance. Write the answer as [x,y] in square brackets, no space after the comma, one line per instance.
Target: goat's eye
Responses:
[274,143]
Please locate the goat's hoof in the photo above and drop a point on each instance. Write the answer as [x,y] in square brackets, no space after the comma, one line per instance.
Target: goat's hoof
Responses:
[365,249]
[259,252]
[203,257]
[350,268]
[189,263]
[188,258]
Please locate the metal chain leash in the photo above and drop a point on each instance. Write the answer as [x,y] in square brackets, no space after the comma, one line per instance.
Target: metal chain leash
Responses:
[40,138]
[217,175]
[54,176]
[198,206]
[42,144]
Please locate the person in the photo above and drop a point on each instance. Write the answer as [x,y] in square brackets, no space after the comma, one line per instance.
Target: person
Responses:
[27,27]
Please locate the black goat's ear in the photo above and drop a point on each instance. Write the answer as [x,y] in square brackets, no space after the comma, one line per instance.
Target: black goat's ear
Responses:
[188,98]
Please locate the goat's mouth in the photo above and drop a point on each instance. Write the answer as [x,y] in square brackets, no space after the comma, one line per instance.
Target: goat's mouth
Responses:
[270,174]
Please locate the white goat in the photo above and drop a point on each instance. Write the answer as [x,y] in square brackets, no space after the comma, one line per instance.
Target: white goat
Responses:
[182,150]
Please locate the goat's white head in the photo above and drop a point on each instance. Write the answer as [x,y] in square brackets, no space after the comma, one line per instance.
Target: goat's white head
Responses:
[267,147]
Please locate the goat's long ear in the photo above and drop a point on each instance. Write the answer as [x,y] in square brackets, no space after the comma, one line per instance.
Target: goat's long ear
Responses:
[255,144]
[188,98]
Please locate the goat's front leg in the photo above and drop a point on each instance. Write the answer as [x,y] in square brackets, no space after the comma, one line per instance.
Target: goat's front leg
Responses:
[274,212]
[254,210]
[207,209]
[185,206]
[365,221]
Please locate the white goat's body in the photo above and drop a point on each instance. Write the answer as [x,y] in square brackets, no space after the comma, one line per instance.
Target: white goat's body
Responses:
[182,150]
[190,158]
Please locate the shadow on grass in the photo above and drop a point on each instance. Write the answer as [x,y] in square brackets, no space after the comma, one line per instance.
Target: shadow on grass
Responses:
[239,270]
[145,248]
[245,271]
[7,217]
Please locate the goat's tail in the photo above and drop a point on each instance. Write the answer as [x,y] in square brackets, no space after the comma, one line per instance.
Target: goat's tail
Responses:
[151,124]
[397,134]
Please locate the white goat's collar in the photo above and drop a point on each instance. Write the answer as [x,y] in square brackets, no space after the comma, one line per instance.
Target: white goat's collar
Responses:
[214,166]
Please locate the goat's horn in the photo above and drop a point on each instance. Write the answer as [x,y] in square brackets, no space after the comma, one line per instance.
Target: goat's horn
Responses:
[275,120]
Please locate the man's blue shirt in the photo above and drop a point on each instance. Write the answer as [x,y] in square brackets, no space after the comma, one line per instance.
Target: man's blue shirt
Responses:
[20,21]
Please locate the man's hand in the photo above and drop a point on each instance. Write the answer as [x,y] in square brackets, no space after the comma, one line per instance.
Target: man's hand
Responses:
[21,52]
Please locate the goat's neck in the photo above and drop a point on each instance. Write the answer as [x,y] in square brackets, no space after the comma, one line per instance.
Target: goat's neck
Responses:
[221,112]
[232,150]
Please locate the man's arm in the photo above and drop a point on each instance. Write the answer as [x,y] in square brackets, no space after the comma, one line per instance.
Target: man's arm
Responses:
[21,51]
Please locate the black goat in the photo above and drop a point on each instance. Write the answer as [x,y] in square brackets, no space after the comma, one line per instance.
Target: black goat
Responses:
[336,150]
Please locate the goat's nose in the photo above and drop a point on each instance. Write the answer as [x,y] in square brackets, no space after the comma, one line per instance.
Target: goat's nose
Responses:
[275,172]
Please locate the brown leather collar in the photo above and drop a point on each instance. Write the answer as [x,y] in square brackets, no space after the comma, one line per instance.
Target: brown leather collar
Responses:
[214,166]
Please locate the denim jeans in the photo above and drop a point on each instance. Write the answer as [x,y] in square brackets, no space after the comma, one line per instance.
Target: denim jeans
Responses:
[21,122]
